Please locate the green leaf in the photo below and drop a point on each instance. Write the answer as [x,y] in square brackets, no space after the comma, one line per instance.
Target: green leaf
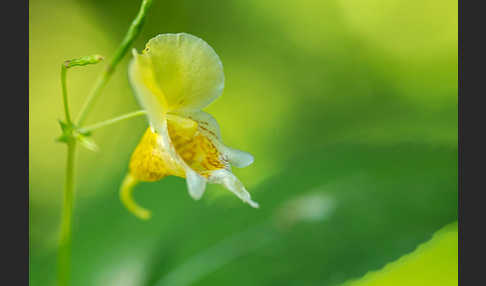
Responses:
[380,203]
[434,262]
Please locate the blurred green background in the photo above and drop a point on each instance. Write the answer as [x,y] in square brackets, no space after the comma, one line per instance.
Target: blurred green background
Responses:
[349,107]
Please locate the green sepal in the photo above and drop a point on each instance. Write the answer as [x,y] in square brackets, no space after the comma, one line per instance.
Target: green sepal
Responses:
[66,132]
[70,132]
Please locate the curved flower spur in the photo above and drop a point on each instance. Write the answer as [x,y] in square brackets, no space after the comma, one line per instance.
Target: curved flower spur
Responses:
[174,78]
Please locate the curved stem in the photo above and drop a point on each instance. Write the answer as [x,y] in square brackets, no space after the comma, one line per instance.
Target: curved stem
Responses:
[64,271]
[126,191]
[113,120]
[132,33]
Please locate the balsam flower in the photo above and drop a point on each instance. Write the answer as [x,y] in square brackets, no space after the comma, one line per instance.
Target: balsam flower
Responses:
[174,78]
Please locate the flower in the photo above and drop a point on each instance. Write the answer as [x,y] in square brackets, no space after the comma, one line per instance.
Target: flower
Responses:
[174,77]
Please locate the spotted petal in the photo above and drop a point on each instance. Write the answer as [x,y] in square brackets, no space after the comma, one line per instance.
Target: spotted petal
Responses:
[208,125]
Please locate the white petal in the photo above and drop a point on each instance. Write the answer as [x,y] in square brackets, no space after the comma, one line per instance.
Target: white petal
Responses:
[237,158]
[227,179]
[196,184]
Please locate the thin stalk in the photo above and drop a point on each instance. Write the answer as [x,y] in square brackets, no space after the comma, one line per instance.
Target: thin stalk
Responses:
[132,33]
[86,60]
[113,120]
[64,93]
[64,271]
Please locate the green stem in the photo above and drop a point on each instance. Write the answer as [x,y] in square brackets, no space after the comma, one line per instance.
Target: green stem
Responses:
[132,33]
[64,93]
[113,120]
[66,219]
[64,266]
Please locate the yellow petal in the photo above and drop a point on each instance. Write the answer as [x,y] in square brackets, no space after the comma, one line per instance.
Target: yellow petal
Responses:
[182,71]
[151,162]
